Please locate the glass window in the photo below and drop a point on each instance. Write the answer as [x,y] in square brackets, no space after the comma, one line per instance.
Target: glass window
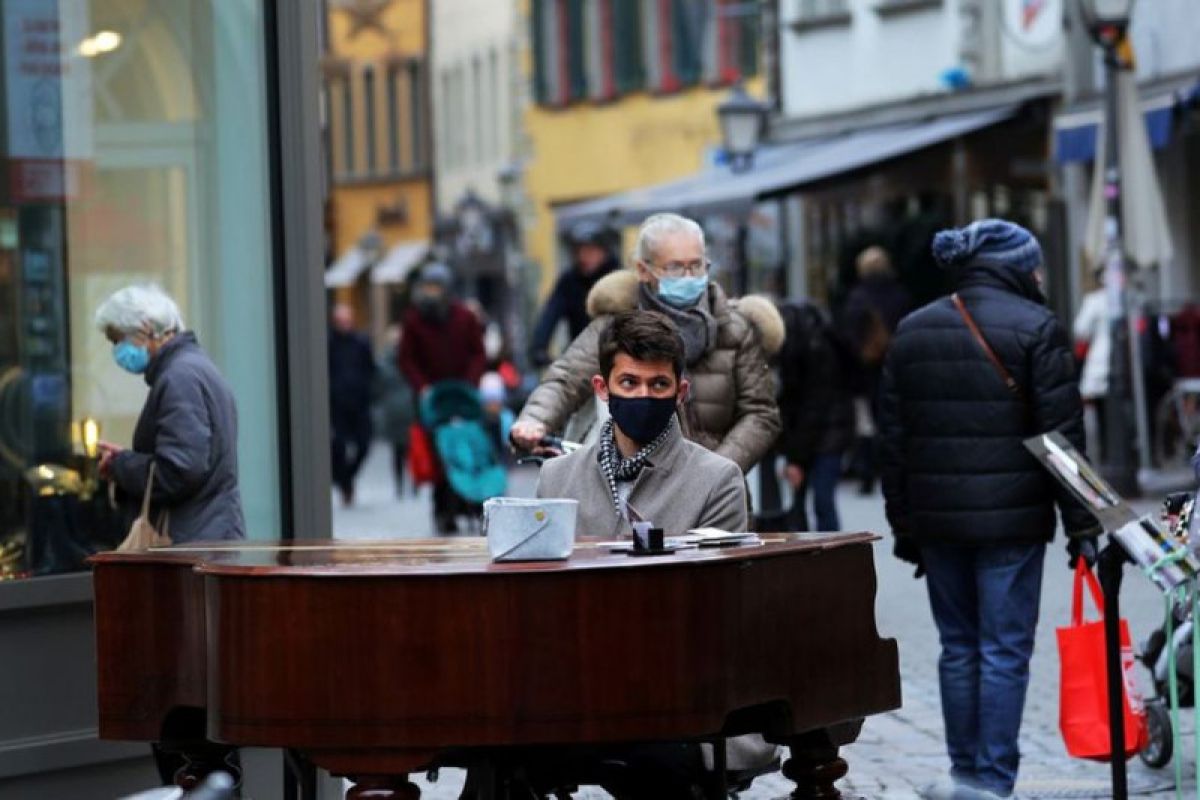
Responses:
[393,120]
[136,140]
[416,102]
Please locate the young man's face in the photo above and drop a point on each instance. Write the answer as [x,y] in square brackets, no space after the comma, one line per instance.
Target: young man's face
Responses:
[633,378]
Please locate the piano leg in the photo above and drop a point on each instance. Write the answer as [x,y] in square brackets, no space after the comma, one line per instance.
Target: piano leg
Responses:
[382,787]
[814,764]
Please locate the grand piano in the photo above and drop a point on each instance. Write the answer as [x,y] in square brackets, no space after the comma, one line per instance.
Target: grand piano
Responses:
[376,660]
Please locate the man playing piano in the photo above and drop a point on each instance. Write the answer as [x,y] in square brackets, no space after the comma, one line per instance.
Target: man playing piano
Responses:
[642,467]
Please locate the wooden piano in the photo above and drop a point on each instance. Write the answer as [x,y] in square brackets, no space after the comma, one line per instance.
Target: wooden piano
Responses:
[373,659]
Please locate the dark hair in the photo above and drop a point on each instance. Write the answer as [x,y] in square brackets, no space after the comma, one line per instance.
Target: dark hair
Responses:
[643,336]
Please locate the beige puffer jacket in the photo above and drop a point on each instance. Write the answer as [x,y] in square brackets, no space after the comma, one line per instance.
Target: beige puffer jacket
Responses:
[731,409]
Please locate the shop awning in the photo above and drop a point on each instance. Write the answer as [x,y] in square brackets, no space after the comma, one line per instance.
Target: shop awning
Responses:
[1076,128]
[345,271]
[781,168]
[399,261]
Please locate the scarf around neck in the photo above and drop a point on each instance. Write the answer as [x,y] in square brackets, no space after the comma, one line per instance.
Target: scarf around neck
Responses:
[697,325]
[618,468]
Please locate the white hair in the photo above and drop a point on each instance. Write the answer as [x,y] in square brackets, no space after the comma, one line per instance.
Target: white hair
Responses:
[139,308]
[657,227]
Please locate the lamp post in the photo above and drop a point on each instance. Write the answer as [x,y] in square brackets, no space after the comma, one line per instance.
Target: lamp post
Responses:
[742,121]
[1107,21]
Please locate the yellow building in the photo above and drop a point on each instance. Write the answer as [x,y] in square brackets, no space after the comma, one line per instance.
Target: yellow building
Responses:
[625,96]
[378,146]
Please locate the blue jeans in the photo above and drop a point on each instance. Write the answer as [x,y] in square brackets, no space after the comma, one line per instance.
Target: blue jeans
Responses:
[821,477]
[985,604]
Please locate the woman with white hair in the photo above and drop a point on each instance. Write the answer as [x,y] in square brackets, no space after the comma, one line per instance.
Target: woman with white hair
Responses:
[731,407]
[187,428]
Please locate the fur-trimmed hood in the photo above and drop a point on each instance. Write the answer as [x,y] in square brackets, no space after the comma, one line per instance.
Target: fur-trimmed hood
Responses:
[619,291]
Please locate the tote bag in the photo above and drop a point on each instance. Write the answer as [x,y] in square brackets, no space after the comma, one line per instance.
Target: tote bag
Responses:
[142,533]
[1083,700]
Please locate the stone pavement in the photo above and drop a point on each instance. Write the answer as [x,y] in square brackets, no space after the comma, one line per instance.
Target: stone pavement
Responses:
[901,751]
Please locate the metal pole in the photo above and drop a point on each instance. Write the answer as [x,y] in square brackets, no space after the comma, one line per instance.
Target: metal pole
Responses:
[1111,563]
[1119,465]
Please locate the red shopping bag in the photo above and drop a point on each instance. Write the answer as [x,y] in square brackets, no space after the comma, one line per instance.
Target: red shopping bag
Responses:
[422,461]
[1083,699]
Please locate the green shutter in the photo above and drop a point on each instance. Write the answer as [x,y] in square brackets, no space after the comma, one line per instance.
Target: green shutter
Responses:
[627,46]
[576,53]
[687,28]
[540,87]
[749,42]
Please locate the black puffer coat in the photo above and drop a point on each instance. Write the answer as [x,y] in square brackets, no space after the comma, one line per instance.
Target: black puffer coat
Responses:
[954,468]
[814,396]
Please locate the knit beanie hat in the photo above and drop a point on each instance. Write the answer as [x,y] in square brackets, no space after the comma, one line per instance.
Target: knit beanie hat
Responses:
[992,242]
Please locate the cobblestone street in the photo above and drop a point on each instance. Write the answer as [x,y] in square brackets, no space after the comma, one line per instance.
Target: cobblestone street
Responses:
[898,752]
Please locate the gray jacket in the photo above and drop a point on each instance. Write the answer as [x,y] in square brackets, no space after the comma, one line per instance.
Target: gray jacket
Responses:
[682,486]
[188,427]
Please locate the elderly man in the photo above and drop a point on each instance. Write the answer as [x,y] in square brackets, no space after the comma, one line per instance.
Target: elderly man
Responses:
[641,465]
[731,406]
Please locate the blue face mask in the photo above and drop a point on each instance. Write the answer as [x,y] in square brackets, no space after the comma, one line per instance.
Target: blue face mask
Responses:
[130,357]
[682,292]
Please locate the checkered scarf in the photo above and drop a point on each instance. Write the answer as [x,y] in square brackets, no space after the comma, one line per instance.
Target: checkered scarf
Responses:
[618,468]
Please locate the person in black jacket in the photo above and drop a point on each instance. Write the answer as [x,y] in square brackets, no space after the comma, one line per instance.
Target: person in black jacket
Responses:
[351,378]
[966,501]
[818,418]
[591,260]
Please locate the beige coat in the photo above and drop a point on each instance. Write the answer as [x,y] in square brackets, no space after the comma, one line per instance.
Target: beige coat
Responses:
[731,409]
[712,488]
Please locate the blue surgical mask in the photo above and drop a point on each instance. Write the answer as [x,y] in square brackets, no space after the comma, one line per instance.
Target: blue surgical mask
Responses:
[682,292]
[130,357]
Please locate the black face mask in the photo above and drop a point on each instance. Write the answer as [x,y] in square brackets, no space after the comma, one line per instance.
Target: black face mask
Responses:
[641,418]
[431,308]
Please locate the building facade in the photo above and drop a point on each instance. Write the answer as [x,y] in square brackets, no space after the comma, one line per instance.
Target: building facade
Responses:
[143,142]
[379,150]
[624,96]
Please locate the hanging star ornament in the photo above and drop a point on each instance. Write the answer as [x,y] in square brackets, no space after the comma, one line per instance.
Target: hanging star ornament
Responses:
[364,14]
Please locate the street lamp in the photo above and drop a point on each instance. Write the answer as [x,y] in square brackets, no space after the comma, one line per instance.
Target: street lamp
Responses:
[1107,21]
[742,121]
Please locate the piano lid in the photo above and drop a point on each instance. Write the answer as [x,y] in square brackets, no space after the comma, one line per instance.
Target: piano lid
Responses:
[444,556]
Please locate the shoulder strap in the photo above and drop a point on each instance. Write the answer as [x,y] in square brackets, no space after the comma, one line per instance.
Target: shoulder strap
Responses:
[149,488]
[1008,379]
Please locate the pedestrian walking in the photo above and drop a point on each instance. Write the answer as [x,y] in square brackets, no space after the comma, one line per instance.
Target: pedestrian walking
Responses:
[963,386]
[730,408]
[442,341]
[870,315]
[591,260]
[396,405]
[184,451]
[351,376]
[817,412]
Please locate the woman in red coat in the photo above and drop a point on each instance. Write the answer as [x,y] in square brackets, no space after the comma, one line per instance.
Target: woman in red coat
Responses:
[442,341]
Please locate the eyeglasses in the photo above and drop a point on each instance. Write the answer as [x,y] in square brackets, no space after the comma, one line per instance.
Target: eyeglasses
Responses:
[677,269]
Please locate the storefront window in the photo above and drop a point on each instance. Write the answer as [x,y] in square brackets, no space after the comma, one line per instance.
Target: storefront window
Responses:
[134,150]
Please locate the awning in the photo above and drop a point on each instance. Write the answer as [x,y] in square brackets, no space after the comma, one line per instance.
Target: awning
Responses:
[345,271]
[399,261]
[780,169]
[1076,129]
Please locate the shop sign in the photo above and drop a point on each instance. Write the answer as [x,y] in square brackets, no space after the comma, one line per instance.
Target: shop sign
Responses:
[48,92]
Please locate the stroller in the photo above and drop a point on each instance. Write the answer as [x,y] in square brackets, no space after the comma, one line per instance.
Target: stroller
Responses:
[472,470]
[1155,652]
